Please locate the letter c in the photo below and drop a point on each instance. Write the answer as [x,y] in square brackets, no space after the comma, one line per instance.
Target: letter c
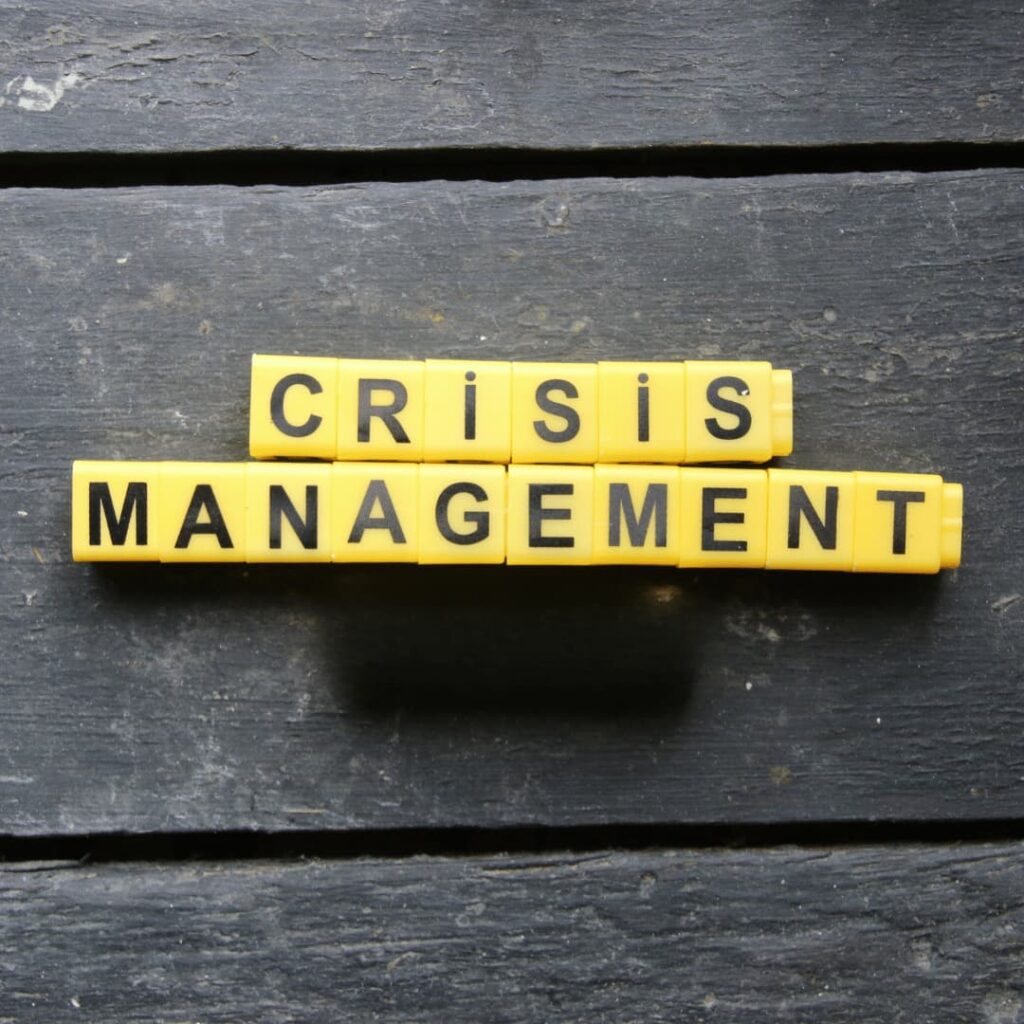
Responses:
[313,386]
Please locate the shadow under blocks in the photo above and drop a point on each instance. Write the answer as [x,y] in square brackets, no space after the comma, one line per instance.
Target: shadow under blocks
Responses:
[602,644]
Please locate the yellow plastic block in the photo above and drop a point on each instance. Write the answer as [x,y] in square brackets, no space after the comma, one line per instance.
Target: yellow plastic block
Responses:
[380,410]
[738,412]
[374,512]
[724,518]
[288,512]
[550,515]
[114,511]
[554,412]
[462,514]
[810,520]
[636,515]
[293,407]
[641,412]
[906,523]
[468,413]
[202,512]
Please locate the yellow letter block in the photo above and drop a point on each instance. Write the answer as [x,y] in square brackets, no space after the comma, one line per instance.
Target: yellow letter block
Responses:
[288,512]
[462,514]
[738,412]
[724,518]
[293,407]
[380,410]
[468,414]
[202,512]
[641,412]
[810,520]
[114,511]
[554,412]
[906,523]
[550,515]
[374,512]
[636,515]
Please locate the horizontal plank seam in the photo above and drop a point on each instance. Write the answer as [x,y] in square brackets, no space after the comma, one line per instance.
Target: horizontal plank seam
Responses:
[401,843]
[319,167]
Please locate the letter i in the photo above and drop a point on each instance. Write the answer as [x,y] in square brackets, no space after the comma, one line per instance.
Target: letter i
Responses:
[643,410]
[470,427]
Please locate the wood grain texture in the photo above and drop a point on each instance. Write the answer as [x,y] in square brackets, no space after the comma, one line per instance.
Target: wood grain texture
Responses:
[155,698]
[799,935]
[154,77]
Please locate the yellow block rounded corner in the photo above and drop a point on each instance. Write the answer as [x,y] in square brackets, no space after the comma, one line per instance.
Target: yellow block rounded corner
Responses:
[782,413]
[952,523]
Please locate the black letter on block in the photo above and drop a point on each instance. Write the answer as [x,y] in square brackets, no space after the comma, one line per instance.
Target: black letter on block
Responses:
[899,501]
[281,505]
[620,506]
[737,409]
[203,498]
[135,500]
[277,404]
[566,412]
[377,493]
[643,410]
[387,412]
[825,531]
[538,515]
[469,418]
[481,519]
[710,516]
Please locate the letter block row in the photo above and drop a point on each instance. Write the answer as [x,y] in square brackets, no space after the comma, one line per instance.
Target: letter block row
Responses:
[477,411]
[524,515]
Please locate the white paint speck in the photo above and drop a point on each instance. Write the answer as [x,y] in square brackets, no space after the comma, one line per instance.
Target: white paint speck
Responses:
[121,260]
[75,1003]
[878,721]
[22,513]
[37,97]
[750,686]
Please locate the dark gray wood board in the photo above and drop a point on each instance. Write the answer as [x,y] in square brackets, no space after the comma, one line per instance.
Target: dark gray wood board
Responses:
[163,698]
[867,934]
[159,77]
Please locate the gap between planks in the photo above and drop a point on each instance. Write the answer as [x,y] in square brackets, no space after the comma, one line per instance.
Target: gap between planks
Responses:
[318,167]
[330,844]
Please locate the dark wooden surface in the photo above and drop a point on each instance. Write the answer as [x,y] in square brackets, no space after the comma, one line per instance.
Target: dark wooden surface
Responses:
[867,934]
[124,77]
[204,698]
[232,712]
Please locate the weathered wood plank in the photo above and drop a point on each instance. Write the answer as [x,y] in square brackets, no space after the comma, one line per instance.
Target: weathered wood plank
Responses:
[806,935]
[152,77]
[219,697]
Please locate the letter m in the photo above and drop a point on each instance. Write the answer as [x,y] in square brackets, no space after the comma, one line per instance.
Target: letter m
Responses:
[135,503]
[620,507]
